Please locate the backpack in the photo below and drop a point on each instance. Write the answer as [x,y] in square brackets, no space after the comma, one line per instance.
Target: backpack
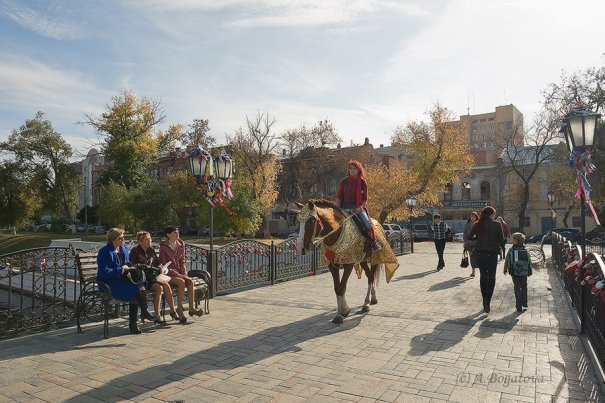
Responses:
[519,262]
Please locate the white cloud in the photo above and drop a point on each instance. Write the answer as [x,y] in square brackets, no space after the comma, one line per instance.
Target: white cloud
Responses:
[55,27]
[27,82]
[284,13]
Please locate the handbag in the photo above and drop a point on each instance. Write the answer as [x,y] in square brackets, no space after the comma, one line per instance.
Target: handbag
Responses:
[163,277]
[464,262]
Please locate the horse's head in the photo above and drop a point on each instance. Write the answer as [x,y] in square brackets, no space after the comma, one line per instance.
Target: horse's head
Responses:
[310,226]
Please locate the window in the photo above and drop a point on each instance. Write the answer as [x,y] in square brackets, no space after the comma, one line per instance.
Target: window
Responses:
[482,120]
[526,222]
[447,195]
[332,187]
[491,119]
[466,193]
[576,222]
[485,191]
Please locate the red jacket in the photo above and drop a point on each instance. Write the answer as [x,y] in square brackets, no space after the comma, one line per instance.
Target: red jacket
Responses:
[177,257]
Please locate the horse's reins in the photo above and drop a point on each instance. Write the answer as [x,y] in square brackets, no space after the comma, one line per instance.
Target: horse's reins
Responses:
[320,239]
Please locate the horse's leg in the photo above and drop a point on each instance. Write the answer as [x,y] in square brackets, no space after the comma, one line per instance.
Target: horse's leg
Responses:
[336,278]
[344,308]
[368,272]
[375,274]
[340,287]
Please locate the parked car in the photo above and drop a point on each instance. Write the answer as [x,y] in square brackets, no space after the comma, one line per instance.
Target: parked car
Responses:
[571,234]
[42,227]
[535,238]
[391,229]
[596,236]
[421,232]
[458,237]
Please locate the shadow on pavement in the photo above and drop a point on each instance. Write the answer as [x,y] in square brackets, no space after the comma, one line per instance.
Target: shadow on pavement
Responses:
[54,342]
[225,356]
[451,283]
[488,327]
[444,336]
[414,276]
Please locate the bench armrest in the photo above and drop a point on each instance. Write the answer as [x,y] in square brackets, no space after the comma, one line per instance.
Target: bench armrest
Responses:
[104,288]
[203,274]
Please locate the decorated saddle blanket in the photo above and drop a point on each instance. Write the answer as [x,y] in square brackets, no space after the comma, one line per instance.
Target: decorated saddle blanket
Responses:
[349,249]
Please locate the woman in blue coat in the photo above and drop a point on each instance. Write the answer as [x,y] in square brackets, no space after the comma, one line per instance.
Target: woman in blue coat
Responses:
[112,261]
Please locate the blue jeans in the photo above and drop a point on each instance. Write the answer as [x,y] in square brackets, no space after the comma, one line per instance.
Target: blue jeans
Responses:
[363,218]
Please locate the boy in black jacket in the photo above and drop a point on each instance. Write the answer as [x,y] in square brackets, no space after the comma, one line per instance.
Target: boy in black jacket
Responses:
[518,264]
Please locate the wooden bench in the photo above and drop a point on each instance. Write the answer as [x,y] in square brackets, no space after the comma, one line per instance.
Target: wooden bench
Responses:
[95,300]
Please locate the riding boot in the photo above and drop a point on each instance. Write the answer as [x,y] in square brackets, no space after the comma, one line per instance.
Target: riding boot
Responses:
[132,319]
[373,243]
[142,301]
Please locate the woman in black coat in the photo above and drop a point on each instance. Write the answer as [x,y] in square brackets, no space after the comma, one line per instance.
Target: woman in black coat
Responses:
[488,237]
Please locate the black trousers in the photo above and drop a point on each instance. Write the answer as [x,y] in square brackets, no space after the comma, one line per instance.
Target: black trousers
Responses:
[520,284]
[440,246]
[488,263]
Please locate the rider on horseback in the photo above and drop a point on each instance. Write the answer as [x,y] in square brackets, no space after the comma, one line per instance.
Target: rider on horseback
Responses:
[352,196]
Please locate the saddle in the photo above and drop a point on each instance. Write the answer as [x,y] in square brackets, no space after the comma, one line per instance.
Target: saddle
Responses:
[350,249]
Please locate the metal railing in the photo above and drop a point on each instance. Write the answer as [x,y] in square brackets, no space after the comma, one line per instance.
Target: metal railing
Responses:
[586,299]
[40,287]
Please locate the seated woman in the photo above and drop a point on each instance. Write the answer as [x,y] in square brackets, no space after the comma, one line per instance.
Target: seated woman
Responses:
[172,249]
[113,261]
[144,255]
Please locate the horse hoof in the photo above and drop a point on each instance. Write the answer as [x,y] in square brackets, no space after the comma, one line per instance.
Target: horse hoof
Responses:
[345,314]
[374,301]
[365,309]
[338,319]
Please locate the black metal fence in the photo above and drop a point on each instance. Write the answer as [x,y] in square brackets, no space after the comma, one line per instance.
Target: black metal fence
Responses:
[40,287]
[587,300]
[249,263]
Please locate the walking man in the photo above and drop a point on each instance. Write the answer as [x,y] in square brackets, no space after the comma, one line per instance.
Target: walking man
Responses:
[439,235]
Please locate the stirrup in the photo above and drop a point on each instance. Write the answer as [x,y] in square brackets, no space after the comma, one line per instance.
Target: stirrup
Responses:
[375,246]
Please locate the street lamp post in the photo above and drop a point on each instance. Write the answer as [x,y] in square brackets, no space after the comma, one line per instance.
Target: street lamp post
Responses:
[551,201]
[410,200]
[213,176]
[579,126]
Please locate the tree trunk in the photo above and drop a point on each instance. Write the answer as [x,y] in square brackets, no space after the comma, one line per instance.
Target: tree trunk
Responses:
[567,214]
[523,207]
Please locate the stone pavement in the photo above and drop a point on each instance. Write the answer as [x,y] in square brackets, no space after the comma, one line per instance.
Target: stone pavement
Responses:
[426,340]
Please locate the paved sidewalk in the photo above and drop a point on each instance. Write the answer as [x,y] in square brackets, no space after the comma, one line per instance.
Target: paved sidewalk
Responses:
[426,340]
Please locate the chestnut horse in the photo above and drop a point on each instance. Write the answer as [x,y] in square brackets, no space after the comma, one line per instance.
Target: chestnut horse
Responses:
[320,221]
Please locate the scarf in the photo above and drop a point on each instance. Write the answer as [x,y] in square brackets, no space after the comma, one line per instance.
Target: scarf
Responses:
[357,180]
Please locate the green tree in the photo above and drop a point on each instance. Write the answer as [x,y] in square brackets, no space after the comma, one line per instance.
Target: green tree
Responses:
[20,200]
[197,134]
[132,140]
[115,206]
[46,154]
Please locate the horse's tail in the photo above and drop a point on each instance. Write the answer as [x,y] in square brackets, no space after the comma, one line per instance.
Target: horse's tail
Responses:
[378,274]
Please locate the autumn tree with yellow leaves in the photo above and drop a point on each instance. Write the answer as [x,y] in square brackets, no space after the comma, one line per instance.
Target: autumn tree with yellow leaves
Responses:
[439,151]
[131,140]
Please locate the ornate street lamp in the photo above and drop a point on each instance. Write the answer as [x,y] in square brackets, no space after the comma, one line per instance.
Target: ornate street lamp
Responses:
[410,200]
[213,186]
[580,126]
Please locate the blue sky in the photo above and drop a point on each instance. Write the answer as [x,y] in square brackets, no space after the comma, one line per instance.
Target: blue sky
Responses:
[367,65]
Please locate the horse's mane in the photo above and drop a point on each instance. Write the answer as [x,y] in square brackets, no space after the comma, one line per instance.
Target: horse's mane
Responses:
[323,203]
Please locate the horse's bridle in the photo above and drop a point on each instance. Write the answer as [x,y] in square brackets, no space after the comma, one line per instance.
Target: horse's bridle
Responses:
[306,215]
